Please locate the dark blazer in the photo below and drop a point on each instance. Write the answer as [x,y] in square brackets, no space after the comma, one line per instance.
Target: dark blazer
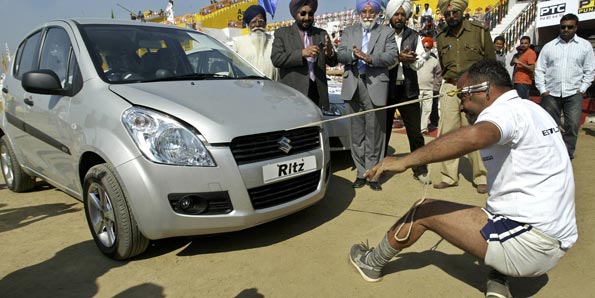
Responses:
[382,47]
[293,68]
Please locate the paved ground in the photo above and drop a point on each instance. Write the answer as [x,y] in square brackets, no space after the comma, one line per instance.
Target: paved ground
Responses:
[46,249]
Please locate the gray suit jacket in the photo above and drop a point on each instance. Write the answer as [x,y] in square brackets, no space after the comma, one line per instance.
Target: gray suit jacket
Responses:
[293,68]
[382,47]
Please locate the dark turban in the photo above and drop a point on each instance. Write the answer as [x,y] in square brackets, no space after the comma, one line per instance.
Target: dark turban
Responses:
[360,4]
[252,11]
[296,5]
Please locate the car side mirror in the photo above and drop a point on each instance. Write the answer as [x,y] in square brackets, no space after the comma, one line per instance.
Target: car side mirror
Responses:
[43,81]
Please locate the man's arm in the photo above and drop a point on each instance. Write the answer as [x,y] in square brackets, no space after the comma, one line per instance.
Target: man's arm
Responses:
[539,73]
[452,145]
[588,71]
[281,55]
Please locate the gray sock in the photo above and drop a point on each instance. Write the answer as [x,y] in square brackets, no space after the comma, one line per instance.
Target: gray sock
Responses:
[382,254]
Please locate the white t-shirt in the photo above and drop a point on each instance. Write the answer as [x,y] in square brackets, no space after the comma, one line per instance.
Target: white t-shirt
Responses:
[530,178]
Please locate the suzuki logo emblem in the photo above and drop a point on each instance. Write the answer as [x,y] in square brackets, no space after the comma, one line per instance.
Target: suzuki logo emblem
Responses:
[284,144]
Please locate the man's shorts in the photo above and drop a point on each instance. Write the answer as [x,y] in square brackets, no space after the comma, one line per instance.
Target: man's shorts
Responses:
[517,249]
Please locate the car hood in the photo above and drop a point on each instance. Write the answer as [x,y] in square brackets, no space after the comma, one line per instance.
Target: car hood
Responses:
[223,109]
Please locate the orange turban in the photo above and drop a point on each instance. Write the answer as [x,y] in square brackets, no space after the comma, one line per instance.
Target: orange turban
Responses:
[428,40]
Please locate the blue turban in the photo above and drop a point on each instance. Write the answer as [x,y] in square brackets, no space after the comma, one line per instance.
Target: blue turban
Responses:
[252,11]
[360,4]
[296,5]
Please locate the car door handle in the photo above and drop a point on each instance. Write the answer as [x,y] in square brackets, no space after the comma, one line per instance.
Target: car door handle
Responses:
[5,90]
[29,102]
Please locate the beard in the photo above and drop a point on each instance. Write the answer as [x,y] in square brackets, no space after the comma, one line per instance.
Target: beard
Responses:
[258,39]
[368,24]
[454,22]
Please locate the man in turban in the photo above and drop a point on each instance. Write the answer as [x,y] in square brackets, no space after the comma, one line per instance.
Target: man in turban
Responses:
[460,44]
[302,51]
[403,85]
[257,46]
[367,49]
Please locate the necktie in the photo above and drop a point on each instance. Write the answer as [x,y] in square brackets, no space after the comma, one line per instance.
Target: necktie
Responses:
[361,65]
[310,60]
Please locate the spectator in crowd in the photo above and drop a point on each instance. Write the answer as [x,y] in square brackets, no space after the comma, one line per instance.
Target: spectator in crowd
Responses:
[524,66]
[427,14]
[367,49]
[257,46]
[302,51]
[403,85]
[461,44]
[565,69]
[500,51]
[429,78]
[529,219]
[169,12]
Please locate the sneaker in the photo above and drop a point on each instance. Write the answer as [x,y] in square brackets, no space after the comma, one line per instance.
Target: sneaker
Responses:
[423,178]
[357,257]
[497,285]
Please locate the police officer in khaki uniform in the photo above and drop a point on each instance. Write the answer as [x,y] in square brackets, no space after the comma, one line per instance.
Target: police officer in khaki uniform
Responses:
[460,45]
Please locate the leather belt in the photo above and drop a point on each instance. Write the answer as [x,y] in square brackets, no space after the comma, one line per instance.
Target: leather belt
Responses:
[399,83]
[452,81]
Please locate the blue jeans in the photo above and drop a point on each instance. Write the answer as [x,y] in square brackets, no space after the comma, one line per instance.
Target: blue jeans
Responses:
[522,90]
[572,107]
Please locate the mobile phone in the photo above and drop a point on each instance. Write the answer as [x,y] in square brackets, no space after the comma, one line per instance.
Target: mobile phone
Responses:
[321,45]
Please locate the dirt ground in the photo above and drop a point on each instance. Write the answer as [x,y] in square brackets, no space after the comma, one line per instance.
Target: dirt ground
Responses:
[46,249]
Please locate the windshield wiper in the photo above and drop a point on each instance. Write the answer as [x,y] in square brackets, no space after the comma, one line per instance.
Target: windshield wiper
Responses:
[192,76]
[253,77]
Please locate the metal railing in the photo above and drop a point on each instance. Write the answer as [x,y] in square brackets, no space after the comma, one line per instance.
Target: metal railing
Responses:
[515,30]
[496,14]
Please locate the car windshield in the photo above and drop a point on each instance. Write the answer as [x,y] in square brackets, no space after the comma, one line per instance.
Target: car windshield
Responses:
[126,54]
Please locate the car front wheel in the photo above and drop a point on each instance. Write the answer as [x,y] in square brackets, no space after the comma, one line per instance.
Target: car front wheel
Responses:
[14,176]
[110,219]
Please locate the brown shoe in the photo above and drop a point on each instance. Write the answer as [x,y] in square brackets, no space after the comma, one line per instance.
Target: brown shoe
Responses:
[443,185]
[482,188]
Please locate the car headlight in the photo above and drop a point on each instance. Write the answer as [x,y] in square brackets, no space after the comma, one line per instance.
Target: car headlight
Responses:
[165,140]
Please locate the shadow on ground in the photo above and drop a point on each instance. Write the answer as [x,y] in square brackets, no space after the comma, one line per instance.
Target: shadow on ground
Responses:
[14,218]
[459,267]
[72,270]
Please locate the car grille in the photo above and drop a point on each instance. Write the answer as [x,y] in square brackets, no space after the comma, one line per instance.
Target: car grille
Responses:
[284,191]
[253,148]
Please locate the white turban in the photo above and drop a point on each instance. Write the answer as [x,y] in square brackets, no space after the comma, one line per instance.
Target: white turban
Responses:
[394,5]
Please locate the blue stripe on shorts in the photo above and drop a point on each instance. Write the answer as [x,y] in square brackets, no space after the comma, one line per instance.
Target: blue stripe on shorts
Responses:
[500,228]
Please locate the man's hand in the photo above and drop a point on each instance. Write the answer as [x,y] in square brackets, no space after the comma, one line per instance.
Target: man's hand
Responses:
[584,94]
[390,163]
[407,56]
[361,55]
[546,93]
[310,52]
[516,60]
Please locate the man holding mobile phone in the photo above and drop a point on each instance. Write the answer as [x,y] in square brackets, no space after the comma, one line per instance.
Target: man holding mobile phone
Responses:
[302,51]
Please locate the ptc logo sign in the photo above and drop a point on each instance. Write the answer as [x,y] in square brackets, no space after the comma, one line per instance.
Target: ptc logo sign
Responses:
[549,11]
[585,6]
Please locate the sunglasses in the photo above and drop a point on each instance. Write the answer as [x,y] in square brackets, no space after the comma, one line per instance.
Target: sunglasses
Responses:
[454,13]
[570,27]
[303,13]
[467,91]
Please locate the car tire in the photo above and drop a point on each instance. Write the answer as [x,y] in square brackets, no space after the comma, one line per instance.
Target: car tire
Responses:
[109,217]
[15,178]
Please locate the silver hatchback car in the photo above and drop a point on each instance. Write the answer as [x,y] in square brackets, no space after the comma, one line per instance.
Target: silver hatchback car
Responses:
[160,131]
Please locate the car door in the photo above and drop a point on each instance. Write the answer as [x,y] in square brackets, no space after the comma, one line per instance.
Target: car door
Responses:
[49,114]
[16,98]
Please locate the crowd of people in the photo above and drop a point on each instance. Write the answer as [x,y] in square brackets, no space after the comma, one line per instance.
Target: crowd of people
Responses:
[520,152]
